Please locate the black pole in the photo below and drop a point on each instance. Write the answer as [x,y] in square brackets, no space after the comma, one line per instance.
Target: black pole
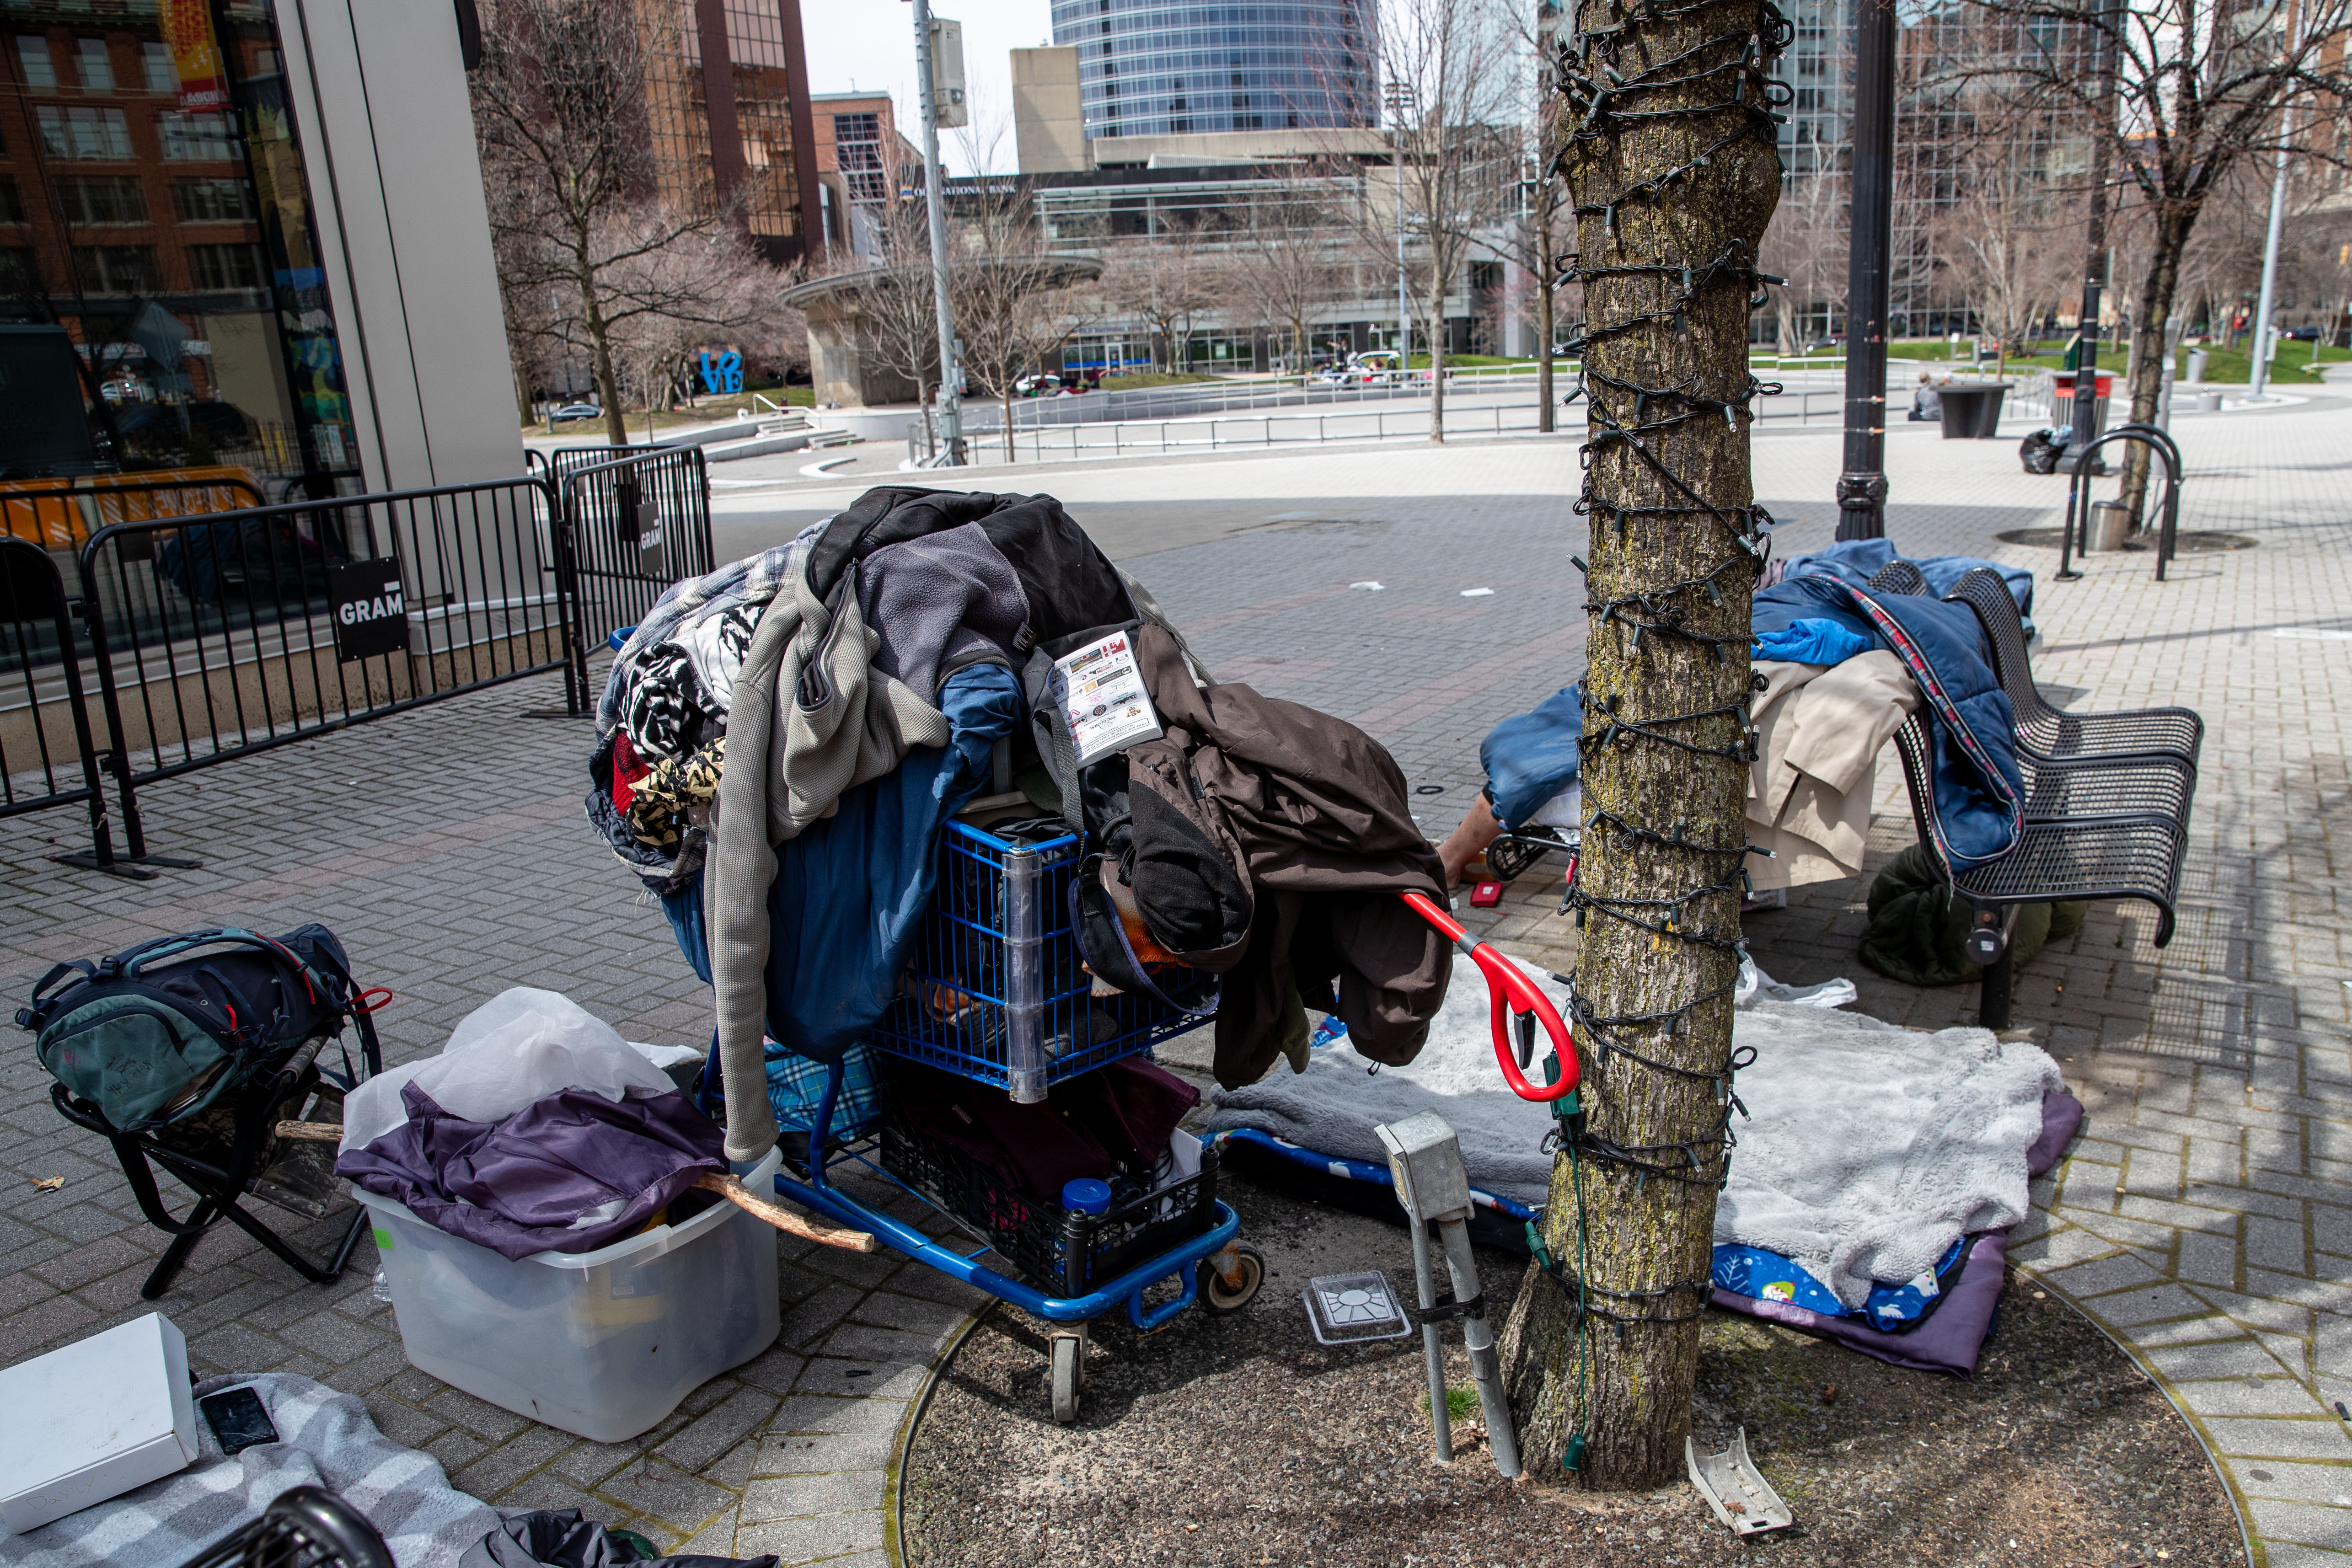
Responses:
[1862,489]
[2084,359]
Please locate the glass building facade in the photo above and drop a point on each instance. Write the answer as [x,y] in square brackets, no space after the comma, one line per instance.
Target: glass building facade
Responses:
[1180,67]
[163,304]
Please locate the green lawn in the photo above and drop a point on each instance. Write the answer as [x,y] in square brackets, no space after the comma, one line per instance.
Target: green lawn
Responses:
[1137,381]
[2294,365]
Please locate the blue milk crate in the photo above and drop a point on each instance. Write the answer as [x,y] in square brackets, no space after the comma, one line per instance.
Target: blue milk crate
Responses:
[995,991]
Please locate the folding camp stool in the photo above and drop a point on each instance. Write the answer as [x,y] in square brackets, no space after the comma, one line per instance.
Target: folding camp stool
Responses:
[223,1153]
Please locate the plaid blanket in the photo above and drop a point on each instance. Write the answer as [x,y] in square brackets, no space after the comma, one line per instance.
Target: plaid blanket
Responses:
[325,1440]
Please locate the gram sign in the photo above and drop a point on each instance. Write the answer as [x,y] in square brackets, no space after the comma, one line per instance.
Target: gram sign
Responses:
[369,609]
[722,372]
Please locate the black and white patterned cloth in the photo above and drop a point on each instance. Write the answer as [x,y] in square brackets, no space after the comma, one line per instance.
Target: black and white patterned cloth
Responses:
[325,1440]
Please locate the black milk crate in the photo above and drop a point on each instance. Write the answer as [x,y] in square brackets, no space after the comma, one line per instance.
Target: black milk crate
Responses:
[995,989]
[1054,1248]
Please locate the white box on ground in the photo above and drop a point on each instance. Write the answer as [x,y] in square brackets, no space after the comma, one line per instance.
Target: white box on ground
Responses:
[601,1344]
[93,1421]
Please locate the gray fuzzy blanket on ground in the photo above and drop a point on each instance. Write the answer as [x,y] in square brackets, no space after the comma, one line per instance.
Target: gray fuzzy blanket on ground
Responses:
[1867,1151]
[325,1438]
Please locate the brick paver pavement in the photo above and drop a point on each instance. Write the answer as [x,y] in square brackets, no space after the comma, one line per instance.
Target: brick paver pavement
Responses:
[2205,1218]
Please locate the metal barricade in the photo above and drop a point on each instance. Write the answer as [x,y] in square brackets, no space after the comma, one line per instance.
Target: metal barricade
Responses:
[61,513]
[225,635]
[637,523]
[46,756]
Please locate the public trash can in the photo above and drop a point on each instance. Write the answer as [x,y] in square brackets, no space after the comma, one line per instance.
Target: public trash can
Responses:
[1971,413]
[2062,399]
[2109,522]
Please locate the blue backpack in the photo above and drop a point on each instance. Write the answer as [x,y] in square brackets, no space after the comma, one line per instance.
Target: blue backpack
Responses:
[162,1030]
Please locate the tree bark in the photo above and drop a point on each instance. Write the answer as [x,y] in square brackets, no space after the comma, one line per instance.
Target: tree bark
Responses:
[1436,329]
[1668,270]
[2157,291]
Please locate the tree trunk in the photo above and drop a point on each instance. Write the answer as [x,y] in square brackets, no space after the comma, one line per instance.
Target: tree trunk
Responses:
[2156,291]
[1005,398]
[1545,419]
[600,354]
[1666,290]
[1437,329]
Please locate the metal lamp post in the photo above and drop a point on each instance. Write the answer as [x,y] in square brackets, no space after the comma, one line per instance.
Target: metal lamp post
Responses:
[1862,489]
[1403,98]
[950,412]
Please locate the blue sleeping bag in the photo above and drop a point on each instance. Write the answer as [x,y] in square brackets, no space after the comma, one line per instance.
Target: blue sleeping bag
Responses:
[1531,757]
[1858,561]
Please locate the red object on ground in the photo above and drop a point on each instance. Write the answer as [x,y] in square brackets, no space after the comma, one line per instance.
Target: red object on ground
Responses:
[1512,992]
[1485,895]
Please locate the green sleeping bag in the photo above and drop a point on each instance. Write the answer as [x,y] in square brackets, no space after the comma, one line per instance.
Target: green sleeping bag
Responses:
[1919,928]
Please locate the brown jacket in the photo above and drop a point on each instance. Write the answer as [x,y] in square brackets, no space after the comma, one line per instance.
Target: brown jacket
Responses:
[1270,842]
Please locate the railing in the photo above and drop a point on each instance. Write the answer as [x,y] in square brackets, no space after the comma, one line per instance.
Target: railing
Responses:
[206,634]
[224,636]
[636,524]
[35,631]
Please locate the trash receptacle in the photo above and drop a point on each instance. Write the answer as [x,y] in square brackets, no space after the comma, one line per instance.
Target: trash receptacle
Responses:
[1971,413]
[2062,399]
[2109,522]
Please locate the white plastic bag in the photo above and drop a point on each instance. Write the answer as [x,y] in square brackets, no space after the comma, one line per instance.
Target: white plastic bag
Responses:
[520,1046]
[1756,985]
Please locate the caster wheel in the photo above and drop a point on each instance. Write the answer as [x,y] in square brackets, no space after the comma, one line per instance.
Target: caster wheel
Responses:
[1069,1377]
[1229,1291]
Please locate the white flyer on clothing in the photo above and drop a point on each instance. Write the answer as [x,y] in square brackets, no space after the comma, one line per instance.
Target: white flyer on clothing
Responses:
[1103,701]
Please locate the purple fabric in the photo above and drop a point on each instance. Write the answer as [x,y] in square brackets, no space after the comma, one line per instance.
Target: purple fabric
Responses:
[515,1186]
[1949,1340]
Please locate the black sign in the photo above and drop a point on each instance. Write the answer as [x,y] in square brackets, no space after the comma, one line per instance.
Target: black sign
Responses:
[370,611]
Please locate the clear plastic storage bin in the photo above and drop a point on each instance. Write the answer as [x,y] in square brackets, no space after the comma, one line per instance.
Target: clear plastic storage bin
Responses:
[603,1343]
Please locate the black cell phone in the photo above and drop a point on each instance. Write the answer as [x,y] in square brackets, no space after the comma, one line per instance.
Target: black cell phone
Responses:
[238,1420]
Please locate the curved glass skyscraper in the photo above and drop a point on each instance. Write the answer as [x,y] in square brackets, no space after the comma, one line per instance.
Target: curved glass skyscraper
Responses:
[1178,68]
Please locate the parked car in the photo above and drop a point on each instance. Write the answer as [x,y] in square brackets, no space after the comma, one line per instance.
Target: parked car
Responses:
[2302,334]
[1379,367]
[1043,384]
[571,411]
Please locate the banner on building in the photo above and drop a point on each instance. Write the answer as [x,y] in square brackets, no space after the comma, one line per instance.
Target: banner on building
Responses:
[196,55]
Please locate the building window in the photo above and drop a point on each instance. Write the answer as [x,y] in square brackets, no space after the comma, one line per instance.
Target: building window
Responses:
[211,202]
[11,202]
[197,138]
[18,272]
[102,201]
[116,268]
[217,267]
[85,134]
[95,66]
[155,65]
[857,153]
[33,54]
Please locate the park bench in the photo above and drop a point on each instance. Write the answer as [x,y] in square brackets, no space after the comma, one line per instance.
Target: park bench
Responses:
[2107,800]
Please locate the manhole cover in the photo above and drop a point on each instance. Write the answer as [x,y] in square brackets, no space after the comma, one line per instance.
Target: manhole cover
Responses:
[2186,544]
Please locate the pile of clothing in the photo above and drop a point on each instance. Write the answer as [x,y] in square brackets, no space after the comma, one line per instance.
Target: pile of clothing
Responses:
[781,743]
[1843,666]
[537,1129]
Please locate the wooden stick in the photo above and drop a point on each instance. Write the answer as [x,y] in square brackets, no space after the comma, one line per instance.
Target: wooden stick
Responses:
[311,1132]
[824,1232]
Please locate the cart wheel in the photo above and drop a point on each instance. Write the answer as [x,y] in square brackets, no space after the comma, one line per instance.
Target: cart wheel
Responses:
[1220,1294]
[1069,1377]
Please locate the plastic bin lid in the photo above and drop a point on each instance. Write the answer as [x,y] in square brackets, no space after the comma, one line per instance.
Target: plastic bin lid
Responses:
[1086,1195]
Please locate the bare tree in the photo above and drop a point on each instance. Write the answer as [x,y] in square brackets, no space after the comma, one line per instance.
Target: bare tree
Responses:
[1284,267]
[2195,90]
[1806,249]
[1459,61]
[1012,309]
[2012,242]
[580,206]
[1674,174]
[1165,282]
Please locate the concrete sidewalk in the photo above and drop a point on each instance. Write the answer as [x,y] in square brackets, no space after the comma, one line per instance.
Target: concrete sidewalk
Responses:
[2206,1217]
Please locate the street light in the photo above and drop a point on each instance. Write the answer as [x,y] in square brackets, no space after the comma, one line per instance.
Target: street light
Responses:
[1402,98]
[1862,489]
[927,90]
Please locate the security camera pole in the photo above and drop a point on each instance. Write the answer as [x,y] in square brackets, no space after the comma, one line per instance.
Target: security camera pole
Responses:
[927,87]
